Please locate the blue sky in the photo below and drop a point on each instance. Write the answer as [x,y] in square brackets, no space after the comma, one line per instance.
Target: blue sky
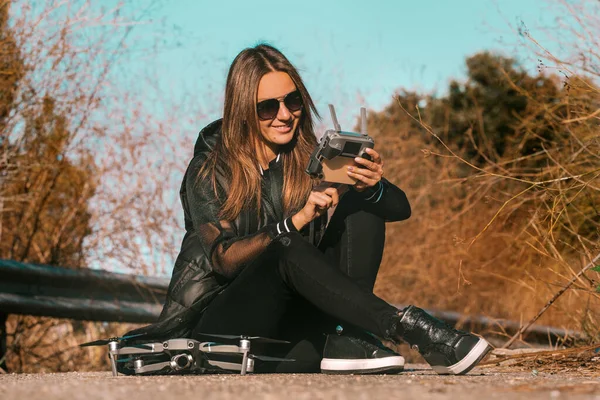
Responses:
[350,53]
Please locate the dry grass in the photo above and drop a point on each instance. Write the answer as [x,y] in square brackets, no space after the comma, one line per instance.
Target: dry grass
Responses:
[499,240]
[41,344]
[583,360]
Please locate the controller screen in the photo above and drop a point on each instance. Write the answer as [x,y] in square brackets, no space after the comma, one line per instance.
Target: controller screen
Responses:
[351,148]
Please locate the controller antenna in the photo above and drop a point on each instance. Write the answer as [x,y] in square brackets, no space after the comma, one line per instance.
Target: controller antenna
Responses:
[336,124]
[363,121]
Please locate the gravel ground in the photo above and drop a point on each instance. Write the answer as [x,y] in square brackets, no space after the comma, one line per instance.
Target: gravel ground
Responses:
[417,381]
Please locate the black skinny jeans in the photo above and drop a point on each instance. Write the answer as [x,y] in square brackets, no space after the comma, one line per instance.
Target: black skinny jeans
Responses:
[297,292]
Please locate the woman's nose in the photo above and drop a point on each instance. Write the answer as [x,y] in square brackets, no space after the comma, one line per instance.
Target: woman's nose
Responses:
[283,114]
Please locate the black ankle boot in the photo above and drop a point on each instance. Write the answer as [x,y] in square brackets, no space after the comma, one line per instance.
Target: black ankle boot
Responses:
[447,350]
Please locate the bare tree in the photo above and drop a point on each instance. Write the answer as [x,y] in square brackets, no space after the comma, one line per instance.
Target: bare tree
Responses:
[86,166]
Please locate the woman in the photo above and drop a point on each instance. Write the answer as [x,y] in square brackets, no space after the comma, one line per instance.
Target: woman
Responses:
[259,256]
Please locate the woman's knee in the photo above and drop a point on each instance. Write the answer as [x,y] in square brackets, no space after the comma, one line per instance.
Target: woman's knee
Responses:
[359,228]
[368,223]
[297,254]
[290,245]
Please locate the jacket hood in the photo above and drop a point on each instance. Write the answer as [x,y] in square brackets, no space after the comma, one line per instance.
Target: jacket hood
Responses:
[208,137]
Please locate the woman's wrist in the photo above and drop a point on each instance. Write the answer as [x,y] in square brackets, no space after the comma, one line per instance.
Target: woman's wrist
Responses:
[370,193]
[298,221]
[375,194]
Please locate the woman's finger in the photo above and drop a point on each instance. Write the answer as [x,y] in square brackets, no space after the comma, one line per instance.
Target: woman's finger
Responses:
[367,180]
[331,192]
[366,163]
[375,156]
[317,200]
[319,203]
[327,199]
[334,194]
[366,172]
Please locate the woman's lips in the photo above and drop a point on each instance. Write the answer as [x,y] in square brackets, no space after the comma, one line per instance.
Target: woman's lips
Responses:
[282,128]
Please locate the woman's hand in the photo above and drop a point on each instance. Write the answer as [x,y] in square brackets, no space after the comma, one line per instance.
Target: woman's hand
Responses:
[370,174]
[319,201]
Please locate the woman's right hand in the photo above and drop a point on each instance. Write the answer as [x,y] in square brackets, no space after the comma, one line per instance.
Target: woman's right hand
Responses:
[319,201]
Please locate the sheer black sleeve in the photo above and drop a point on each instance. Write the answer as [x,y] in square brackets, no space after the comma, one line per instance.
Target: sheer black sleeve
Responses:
[227,251]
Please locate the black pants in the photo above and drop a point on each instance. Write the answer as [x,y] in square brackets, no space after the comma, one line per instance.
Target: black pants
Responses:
[298,292]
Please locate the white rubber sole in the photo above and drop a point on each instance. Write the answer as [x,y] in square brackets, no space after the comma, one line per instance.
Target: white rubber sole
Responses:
[475,355]
[350,366]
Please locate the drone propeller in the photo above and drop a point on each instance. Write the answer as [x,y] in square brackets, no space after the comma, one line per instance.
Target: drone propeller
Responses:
[268,358]
[257,339]
[103,342]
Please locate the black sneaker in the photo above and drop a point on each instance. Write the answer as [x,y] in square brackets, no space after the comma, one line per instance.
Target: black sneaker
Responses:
[359,353]
[447,350]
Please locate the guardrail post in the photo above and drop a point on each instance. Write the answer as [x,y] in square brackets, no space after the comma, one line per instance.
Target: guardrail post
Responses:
[3,317]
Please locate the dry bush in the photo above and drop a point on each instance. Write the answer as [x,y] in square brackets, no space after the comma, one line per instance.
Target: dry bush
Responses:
[83,160]
[42,344]
[501,234]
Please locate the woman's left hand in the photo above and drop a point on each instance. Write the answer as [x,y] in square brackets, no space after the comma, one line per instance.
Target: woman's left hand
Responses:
[369,173]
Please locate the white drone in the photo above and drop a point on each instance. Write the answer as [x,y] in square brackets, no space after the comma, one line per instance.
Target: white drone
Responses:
[184,356]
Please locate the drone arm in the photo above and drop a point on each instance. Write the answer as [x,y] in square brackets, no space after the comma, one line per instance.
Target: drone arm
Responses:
[154,348]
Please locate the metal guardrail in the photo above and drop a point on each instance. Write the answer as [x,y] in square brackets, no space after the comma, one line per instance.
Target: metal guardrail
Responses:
[82,294]
[95,295]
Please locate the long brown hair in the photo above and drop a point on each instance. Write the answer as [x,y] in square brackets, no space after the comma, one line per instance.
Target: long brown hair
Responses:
[235,154]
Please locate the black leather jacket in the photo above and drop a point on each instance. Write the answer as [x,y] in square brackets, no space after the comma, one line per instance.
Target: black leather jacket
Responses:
[213,253]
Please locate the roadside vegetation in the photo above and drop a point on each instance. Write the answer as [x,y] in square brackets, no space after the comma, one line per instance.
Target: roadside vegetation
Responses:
[502,171]
[503,174]
[83,161]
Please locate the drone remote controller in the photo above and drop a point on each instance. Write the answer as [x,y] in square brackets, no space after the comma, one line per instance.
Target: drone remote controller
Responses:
[337,149]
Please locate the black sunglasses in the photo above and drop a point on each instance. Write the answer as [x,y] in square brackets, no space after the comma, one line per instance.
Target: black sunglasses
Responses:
[268,109]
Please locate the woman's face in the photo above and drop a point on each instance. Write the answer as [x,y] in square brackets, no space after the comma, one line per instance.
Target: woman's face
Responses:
[279,130]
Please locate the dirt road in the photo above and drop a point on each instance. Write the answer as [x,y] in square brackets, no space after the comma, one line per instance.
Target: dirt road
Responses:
[418,382]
